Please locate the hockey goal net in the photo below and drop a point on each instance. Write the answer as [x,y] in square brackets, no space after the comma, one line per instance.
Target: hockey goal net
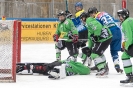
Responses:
[10,46]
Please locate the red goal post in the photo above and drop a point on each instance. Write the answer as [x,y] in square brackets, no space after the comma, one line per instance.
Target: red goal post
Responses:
[10,49]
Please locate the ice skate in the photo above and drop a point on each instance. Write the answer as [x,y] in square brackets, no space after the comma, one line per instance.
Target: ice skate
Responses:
[127,82]
[117,68]
[103,72]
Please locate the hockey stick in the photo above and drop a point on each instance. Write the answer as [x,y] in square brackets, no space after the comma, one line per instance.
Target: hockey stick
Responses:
[71,39]
[66,5]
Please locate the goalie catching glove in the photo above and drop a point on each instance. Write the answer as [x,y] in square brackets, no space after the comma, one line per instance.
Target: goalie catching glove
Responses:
[56,37]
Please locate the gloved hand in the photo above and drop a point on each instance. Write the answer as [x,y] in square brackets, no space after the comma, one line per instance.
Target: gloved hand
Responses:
[94,38]
[123,45]
[56,37]
[75,38]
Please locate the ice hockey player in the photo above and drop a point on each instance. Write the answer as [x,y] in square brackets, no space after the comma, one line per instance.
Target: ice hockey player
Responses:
[83,32]
[115,46]
[54,70]
[69,35]
[83,35]
[79,9]
[83,17]
[99,39]
[127,29]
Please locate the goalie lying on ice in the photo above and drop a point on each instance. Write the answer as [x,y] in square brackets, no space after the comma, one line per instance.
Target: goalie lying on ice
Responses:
[54,70]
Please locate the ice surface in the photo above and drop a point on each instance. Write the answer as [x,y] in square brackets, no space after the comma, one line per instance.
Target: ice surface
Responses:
[46,53]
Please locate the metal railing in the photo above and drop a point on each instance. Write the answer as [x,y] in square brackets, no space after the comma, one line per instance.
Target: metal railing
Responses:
[21,9]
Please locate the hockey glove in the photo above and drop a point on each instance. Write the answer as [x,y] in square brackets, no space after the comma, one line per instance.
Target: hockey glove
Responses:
[94,38]
[123,45]
[87,51]
[75,38]
[56,37]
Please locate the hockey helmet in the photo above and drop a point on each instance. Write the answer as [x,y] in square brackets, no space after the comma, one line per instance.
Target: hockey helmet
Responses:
[79,4]
[84,14]
[68,14]
[92,10]
[61,13]
[124,13]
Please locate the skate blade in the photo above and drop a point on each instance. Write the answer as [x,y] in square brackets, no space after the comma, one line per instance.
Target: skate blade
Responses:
[102,76]
[54,78]
[120,72]
[126,84]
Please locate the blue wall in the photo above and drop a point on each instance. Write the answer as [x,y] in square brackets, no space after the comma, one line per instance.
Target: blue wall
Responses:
[33,19]
[39,19]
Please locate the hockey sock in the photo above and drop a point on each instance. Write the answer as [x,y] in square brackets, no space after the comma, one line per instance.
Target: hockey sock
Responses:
[58,54]
[127,65]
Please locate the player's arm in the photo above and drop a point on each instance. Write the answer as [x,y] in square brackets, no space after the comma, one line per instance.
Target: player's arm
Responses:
[90,42]
[128,35]
[73,28]
[57,34]
[58,30]
[74,31]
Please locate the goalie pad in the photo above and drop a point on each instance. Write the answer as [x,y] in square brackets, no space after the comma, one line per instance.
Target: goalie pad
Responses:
[58,72]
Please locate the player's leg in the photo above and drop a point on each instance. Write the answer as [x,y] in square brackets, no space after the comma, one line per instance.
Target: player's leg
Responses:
[60,45]
[96,55]
[30,68]
[95,69]
[40,68]
[127,68]
[72,49]
[116,61]
[115,47]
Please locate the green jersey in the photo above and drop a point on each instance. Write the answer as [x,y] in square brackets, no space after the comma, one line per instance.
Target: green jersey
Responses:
[73,68]
[66,27]
[97,30]
[127,29]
